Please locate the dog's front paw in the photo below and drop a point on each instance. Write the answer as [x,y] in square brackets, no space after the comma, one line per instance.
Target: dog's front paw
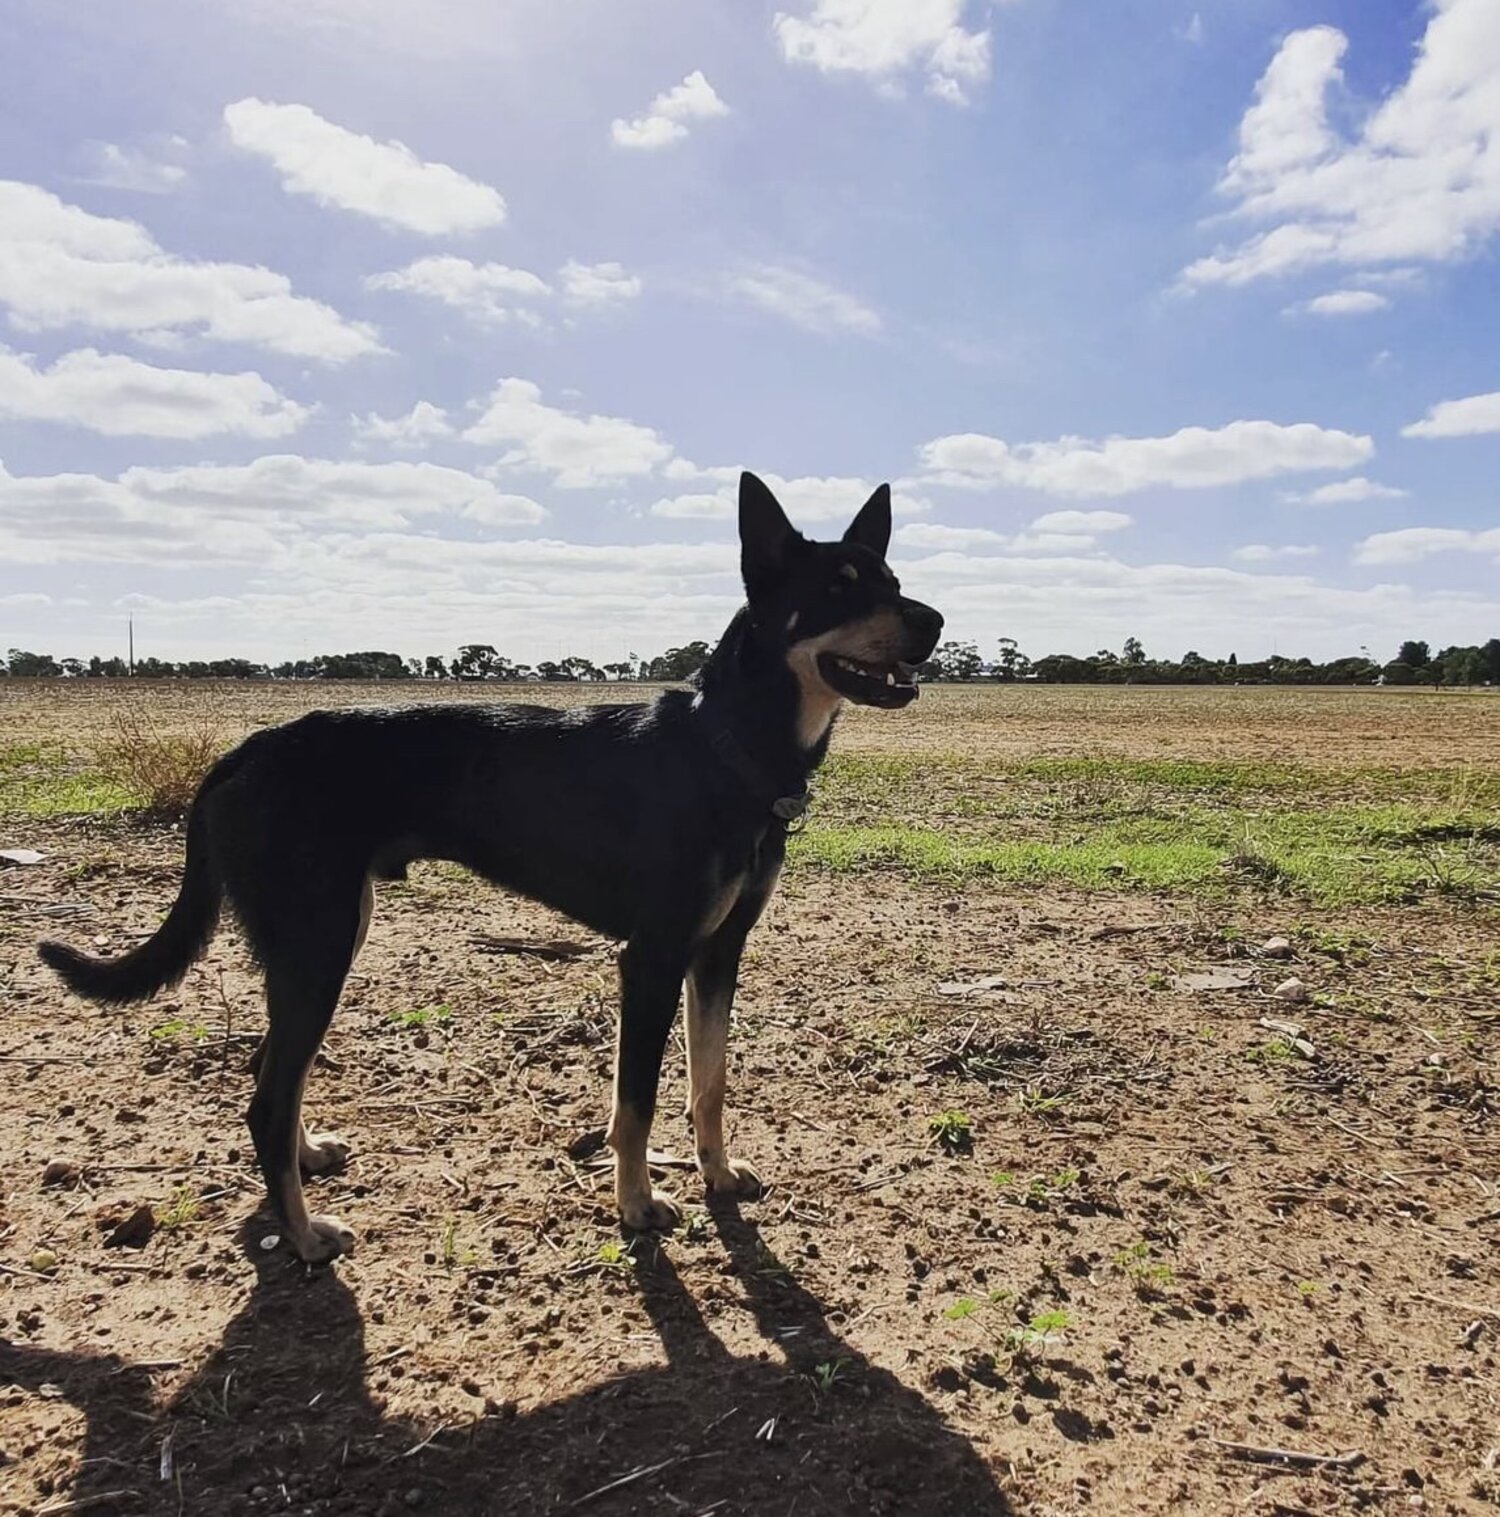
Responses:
[323,1153]
[655,1211]
[326,1239]
[731,1177]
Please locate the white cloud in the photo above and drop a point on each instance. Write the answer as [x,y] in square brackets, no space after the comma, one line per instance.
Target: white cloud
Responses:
[1345,492]
[121,397]
[483,291]
[1260,553]
[61,266]
[578,451]
[423,424]
[1420,181]
[810,498]
[1412,543]
[1459,418]
[666,118]
[886,39]
[598,284]
[1192,458]
[1345,303]
[264,512]
[803,301]
[1193,31]
[1082,521]
[385,181]
[127,168]
[934,535]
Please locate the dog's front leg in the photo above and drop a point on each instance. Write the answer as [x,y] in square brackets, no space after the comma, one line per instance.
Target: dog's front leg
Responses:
[710,998]
[650,986]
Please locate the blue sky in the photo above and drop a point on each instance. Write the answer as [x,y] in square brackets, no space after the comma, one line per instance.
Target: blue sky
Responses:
[343,323]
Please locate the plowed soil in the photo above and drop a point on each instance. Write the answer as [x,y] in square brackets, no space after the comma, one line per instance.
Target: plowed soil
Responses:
[1178,1229]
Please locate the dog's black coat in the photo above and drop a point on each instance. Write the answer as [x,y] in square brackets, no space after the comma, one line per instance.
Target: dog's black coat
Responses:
[656,824]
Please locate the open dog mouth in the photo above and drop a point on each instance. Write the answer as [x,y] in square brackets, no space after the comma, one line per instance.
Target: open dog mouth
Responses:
[890,685]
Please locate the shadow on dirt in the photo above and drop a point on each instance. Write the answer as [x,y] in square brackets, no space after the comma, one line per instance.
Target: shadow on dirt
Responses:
[280,1418]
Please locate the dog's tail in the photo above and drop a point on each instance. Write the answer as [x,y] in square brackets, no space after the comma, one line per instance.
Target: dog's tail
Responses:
[164,957]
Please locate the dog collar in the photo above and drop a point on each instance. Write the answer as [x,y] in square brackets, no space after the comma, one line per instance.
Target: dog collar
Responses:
[785,808]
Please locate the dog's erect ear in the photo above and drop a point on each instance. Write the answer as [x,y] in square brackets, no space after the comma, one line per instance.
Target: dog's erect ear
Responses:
[872,527]
[767,538]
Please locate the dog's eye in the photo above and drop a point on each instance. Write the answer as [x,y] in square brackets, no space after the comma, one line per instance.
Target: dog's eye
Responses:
[849,572]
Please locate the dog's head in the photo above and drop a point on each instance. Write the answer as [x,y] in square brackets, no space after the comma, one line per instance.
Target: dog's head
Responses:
[834,610]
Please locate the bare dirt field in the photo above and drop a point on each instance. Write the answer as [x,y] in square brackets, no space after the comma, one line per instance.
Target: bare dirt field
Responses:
[1053,1225]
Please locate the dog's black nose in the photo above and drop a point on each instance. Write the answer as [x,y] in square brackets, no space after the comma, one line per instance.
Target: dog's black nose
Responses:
[924,623]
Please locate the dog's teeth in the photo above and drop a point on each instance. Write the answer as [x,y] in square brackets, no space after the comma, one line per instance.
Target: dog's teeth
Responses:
[890,676]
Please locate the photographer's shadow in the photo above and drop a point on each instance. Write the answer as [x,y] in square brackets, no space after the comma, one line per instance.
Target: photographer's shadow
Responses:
[281,1417]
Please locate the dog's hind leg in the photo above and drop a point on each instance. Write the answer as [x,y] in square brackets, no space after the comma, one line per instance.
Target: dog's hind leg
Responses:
[650,985]
[325,1153]
[302,989]
[710,998]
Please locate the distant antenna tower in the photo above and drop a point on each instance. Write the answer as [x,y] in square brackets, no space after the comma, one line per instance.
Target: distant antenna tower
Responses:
[131,624]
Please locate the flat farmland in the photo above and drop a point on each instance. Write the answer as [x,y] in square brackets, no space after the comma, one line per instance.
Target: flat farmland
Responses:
[1068,1210]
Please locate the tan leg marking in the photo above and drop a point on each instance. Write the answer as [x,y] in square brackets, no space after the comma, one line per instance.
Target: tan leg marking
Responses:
[641,1207]
[315,1239]
[320,1153]
[707,1044]
[366,911]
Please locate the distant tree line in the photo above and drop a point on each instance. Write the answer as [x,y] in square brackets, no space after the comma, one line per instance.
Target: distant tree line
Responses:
[1414,664]
[473,661]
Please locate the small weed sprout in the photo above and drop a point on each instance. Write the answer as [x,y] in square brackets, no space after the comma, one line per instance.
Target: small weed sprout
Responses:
[615,1257]
[1145,1275]
[1307,1289]
[829,1374]
[1045,1330]
[953,1131]
[166,1032]
[179,1211]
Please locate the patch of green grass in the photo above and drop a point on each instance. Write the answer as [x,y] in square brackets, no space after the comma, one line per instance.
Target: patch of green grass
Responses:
[178,1027]
[423,1016]
[953,1131]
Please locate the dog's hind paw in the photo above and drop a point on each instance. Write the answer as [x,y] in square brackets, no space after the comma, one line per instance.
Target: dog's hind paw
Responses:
[732,1177]
[656,1212]
[326,1239]
[323,1153]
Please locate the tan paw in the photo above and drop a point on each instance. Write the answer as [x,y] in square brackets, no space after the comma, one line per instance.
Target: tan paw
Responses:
[731,1177]
[655,1212]
[323,1153]
[326,1239]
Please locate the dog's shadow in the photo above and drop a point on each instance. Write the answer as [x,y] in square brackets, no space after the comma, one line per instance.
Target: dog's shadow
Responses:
[281,1418]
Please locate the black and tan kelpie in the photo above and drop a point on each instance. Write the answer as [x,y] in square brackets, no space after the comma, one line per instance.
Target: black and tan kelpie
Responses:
[663,825]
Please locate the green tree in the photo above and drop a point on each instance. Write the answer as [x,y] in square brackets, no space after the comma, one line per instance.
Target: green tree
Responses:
[959,661]
[26,665]
[1414,654]
[1133,653]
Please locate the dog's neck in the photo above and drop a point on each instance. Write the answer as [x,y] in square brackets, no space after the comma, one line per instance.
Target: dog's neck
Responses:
[781,716]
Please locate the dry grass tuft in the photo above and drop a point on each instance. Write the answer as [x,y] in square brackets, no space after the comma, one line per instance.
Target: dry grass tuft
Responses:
[160,768]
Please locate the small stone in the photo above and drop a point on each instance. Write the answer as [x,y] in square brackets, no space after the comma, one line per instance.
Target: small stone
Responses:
[413,1497]
[1292,990]
[1277,948]
[63,1172]
[270,1241]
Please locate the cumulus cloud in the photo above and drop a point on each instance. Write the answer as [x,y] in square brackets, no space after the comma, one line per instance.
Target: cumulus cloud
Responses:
[1345,303]
[424,423]
[666,118]
[597,284]
[1192,458]
[577,451]
[1459,418]
[61,266]
[809,498]
[257,513]
[1419,182]
[1344,492]
[887,40]
[1261,553]
[1082,521]
[1408,544]
[121,397]
[488,292]
[802,300]
[385,181]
